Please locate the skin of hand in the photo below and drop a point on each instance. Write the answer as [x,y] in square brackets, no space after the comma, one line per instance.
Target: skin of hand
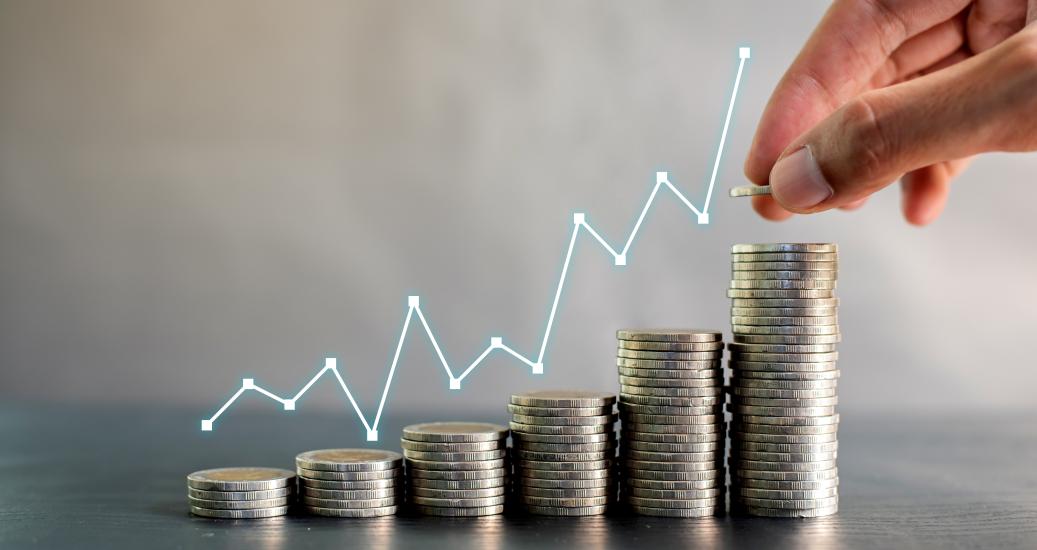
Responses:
[896,89]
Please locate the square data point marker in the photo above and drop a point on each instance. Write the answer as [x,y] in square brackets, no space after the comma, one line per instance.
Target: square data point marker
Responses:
[621,259]
[579,218]
[496,341]
[661,176]
[703,218]
[413,301]
[289,405]
[538,368]
[248,383]
[372,435]
[206,425]
[455,384]
[743,53]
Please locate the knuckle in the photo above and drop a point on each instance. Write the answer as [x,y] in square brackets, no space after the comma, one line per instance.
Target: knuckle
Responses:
[869,144]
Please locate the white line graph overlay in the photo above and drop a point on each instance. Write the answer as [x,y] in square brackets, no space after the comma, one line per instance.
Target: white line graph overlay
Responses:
[497,342]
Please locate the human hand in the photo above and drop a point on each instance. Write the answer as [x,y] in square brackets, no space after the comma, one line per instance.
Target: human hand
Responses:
[888,89]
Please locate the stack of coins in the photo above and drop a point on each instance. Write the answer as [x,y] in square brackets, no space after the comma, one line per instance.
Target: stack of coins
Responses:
[564,446]
[241,493]
[456,468]
[672,436]
[350,483]
[783,384]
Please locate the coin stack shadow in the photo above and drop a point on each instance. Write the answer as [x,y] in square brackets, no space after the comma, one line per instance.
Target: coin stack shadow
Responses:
[783,383]
[241,493]
[456,469]
[350,483]
[672,434]
[564,447]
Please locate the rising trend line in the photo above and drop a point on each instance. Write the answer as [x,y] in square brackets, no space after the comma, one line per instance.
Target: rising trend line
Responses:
[497,342]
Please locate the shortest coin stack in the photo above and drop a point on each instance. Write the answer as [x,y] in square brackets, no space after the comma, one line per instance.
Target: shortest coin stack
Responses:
[564,450]
[241,493]
[350,483]
[456,469]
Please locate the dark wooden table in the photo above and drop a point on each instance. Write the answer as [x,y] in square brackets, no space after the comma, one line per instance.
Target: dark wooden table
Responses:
[114,478]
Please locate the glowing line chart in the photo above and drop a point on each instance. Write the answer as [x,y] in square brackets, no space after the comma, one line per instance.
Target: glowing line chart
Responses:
[497,343]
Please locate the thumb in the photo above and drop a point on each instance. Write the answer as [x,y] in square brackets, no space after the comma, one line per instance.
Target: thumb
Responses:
[982,104]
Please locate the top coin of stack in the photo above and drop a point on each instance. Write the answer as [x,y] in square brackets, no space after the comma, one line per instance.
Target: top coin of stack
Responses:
[456,468]
[564,450]
[350,483]
[241,493]
[783,385]
[672,435]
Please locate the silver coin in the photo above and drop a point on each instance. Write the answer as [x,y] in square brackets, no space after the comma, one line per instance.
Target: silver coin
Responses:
[797,330]
[457,475]
[492,464]
[650,456]
[474,446]
[786,485]
[741,376]
[475,511]
[563,398]
[521,438]
[241,479]
[564,420]
[559,411]
[669,382]
[455,432]
[671,346]
[240,495]
[564,511]
[716,373]
[455,494]
[561,475]
[332,494]
[670,410]
[630,436]
[740,366]
[565,502]
[349,476]
[780,303]
[239,504]
[667,503]
[594,492]
[351,485]
[756,257]
[670,335]
[352,512]
[704,512]
[457,484]
[782,394]
[784,312]
[798,504]
[635,445]
[743,454]
[829,427]
[334,503]
[746,384]
[831,265]
[784,247]
[671,401]
[717,475]
[779,513]
[633,482]
[672,419]
[768,466]
[457,502]
[797,412]
[785,321]
[667,466]
[750,190]
[674,428]
[564,466]
[565,457]
[782,284]
[760,275]
[455,457]
[675,494]
[349,460]
[770,475]
[702,368]
[785,357]
[795,339]
[670,355]
[565,447]
[599,483]
[784,402]
[240,514]
[791,439]
[780,293]
[559,430]
[786,495]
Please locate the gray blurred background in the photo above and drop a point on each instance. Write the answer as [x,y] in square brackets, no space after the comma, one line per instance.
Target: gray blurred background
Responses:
[192,192]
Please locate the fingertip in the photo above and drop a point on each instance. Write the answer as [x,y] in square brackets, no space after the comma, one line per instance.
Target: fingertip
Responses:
[769,209]
[925,193]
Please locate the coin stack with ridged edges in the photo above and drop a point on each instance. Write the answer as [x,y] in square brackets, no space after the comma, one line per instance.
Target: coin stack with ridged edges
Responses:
[241,493]
[456,469]
[783,383]
[564,448]
[350,483]
[672,434]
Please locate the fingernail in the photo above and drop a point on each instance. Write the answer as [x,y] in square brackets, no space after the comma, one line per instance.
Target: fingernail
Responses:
[797,181]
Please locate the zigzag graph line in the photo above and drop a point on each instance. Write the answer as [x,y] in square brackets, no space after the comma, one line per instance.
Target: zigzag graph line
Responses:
[496,342]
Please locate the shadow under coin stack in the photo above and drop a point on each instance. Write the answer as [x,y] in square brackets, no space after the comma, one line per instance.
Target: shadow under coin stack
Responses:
[241,493]
[456,468]
[350,483]
[672,435]
[783,383]
[564,447]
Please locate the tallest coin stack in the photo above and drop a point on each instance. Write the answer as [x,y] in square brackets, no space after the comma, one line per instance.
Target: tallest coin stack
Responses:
[783,381]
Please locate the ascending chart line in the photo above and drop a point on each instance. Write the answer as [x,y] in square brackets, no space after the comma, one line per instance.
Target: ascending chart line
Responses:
[496,342]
